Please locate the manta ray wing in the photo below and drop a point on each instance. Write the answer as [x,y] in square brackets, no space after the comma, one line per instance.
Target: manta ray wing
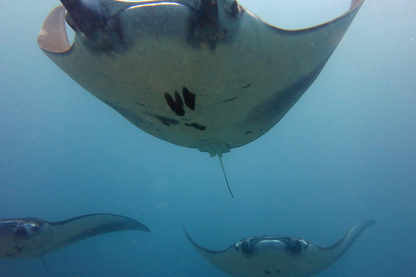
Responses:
[79,228]
[33,237]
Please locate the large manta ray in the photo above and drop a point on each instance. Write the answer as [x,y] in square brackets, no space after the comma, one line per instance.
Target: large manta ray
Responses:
[33,237]
[205,74]
[279,256]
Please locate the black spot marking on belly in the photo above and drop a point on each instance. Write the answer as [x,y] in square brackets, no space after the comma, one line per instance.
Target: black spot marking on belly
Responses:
[277,271]
[166,120]
[231,99]
[19,249]
[249,132]
[175,105]
[196,126]
[189,98]
[246,86]
[267,272]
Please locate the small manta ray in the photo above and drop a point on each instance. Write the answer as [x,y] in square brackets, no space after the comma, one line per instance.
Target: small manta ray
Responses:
[279,255]
[205,74]
[33,237]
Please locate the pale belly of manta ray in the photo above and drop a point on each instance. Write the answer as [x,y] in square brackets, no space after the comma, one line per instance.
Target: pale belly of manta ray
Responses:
[184,102]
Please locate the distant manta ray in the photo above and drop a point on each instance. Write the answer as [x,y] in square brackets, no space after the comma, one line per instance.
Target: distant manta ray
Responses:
[205,74]
[279,256]
[33,237]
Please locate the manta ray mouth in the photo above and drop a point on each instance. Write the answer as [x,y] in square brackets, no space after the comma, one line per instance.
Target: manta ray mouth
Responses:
[100,24]
[90,16]
[193,4]
[190,4]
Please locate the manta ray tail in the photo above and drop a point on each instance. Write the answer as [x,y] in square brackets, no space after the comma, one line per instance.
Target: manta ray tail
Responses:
[225,176]
[44,264]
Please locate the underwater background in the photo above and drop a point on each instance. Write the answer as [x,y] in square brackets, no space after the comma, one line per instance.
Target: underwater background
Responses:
[344,153]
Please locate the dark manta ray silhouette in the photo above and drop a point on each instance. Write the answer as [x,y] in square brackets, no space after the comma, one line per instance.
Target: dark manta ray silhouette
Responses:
[280,256]
[33,237]
[205,74]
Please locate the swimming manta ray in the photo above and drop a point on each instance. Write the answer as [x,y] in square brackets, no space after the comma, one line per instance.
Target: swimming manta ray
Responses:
[205,74]
[33,237]
[278,255]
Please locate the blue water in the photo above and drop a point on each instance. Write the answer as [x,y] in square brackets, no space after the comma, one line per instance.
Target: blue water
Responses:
[345,152]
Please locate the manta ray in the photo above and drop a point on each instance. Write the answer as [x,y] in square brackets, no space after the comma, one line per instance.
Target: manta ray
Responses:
[33,237]
[280,256]
[205,74]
